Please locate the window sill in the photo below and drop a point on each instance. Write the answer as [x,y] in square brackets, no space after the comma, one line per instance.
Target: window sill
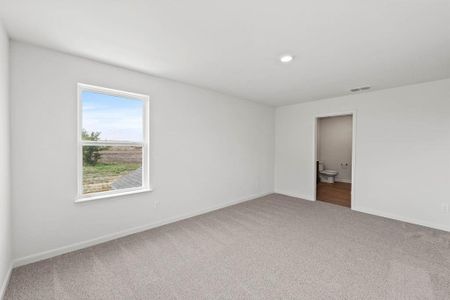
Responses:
[82,199]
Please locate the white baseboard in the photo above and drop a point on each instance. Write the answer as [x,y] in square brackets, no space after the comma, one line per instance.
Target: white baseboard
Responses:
[383,214]
[343,180]
[105,238]
[401,218]
[5,282]
[309,198]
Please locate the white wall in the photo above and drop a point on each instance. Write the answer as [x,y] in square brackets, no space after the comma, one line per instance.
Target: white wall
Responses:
[402,151]
[5,209]
[207,150]
[334,145]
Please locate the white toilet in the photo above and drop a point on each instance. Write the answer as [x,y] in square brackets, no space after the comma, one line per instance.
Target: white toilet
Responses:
[326,175]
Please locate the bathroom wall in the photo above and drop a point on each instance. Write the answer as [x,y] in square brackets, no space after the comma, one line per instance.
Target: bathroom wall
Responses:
[334,145]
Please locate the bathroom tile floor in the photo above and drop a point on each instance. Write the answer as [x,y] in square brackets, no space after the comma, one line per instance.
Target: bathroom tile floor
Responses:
[338,193]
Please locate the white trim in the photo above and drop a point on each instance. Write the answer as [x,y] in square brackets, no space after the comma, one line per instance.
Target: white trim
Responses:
[146,187]
[378,213]
[111,194]
[112,92]
[302,197]
[315,140]
[108,237]
[400,218]
[111,143]
[6,281]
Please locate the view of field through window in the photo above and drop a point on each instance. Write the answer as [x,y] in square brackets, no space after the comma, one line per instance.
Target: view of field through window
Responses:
[119,167]
[112,129]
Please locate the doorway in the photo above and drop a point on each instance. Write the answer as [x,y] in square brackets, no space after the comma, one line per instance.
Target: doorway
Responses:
[334,159]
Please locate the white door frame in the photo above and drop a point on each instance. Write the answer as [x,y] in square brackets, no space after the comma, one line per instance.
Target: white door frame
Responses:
[336,114]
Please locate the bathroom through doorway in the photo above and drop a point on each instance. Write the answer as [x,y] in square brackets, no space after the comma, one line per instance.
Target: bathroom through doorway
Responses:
[334,159]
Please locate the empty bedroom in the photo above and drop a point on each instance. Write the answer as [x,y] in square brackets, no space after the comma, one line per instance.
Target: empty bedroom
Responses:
[200,149]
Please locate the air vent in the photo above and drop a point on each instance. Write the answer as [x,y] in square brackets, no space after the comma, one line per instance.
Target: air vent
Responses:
[364,88]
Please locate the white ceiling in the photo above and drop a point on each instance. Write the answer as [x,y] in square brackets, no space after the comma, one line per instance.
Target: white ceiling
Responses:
[233,46]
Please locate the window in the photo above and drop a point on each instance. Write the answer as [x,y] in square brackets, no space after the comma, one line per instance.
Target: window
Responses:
[113,141]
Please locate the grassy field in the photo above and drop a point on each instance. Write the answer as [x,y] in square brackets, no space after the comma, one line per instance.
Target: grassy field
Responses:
[98,178]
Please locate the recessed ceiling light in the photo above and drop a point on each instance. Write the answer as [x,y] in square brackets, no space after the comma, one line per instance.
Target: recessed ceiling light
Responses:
[287,58]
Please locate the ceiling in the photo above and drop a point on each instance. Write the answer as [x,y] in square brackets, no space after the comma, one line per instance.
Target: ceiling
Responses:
[233,46]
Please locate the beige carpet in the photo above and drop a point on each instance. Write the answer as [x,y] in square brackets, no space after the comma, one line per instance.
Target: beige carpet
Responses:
[275,247]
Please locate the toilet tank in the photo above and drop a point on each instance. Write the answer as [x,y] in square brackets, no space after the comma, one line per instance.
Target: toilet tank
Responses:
[321,166]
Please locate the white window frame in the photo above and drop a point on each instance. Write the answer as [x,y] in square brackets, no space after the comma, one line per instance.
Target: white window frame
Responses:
[144,144]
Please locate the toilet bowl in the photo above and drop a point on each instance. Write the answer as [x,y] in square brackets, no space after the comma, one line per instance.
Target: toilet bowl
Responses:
[326,175]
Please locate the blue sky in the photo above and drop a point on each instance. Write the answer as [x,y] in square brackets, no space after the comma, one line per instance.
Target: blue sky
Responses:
[117,118]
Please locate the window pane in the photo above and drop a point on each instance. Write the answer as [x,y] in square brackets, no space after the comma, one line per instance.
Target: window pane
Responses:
[112,118]
[111,168]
